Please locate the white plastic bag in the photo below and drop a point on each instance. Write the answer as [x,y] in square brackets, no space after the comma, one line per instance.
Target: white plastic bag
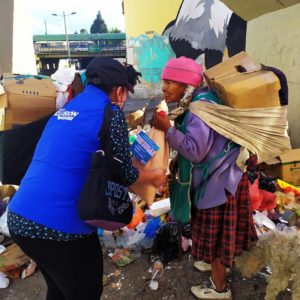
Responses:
[4,281]
[3,224]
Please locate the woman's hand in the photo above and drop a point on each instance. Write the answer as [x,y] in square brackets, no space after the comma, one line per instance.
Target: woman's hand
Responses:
[161,121]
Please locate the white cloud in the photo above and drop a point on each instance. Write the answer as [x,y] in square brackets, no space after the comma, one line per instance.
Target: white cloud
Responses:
[86,11]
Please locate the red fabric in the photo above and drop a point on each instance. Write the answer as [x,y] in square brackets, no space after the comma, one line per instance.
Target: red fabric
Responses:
[260,199]
[268,201]
[255,195]
[226,230]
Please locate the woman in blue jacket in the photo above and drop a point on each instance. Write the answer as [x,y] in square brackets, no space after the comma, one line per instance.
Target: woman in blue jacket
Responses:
[43,218]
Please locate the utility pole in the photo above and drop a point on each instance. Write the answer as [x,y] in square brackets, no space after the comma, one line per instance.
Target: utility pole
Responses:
[66,33]
[45,27]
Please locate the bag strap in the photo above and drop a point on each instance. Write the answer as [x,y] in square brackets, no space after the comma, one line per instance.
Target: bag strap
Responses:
[103,135]
[284,90]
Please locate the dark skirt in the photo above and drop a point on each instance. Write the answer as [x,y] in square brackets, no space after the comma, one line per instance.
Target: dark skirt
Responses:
[226,230]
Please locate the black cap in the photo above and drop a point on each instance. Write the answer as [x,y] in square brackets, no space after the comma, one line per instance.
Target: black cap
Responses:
[105,70]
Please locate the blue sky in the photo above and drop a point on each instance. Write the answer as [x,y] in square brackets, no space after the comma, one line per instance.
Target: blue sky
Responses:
[86,11]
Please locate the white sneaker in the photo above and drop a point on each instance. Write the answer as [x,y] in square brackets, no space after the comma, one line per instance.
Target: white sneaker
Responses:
[202,266]
[207,291]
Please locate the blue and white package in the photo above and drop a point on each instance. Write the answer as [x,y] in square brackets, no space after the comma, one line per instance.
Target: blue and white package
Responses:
[143,148]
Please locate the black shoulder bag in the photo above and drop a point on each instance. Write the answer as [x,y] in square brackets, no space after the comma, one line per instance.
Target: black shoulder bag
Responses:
[104,201]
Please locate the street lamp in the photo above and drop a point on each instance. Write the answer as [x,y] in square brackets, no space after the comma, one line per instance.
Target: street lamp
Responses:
[66,33]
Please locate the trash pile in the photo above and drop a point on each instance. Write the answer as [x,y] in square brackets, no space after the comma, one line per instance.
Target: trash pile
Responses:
[13,262]
[274,191]
[151,231]
[276,204]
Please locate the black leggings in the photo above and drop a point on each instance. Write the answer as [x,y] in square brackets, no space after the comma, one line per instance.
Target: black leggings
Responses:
[73,270]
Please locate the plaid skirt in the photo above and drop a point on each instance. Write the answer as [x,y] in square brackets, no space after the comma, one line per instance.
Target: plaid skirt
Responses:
[226,230]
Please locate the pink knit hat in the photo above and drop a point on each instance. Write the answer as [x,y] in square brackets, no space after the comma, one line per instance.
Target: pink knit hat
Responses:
[184,70]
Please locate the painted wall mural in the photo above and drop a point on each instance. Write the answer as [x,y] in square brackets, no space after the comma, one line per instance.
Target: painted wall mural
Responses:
[159,30]
[206,27]
[151,53]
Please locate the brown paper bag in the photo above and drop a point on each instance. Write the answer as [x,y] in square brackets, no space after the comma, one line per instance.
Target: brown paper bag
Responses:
[159,160]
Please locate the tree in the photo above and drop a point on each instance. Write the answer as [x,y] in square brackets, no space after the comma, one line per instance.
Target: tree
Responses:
[114,30]
[99,25]
[75,32]
[83,31]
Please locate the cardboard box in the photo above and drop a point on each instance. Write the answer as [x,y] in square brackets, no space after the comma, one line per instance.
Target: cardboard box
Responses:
[26,100]
[287,169]
[239,83]
[249,90]
[230,66]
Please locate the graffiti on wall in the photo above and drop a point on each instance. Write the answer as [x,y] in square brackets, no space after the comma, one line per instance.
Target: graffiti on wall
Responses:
[151,54]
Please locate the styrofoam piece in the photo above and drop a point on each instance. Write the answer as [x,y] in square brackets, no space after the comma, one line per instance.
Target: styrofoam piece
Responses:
[160,207]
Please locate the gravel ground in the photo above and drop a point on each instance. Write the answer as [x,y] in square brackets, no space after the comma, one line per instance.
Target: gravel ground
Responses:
[132,283]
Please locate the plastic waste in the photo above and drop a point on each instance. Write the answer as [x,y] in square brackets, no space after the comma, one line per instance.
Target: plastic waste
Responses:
[261,219]
[160,207]
[284,228]
[4,281]
[130,238]
[154,285]
[108,240]
[122,257]
[151,227]
[158,269]
[2,249]
[157,272]
[3,224]
[147,243]
[137,217]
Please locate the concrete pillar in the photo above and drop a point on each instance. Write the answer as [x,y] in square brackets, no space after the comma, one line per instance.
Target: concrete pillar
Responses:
[16,45]
[6,34]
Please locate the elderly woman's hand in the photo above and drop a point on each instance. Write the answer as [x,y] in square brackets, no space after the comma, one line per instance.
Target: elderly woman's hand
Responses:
[161,121]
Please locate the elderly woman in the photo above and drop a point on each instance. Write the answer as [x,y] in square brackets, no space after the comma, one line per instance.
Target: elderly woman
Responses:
[208,181]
